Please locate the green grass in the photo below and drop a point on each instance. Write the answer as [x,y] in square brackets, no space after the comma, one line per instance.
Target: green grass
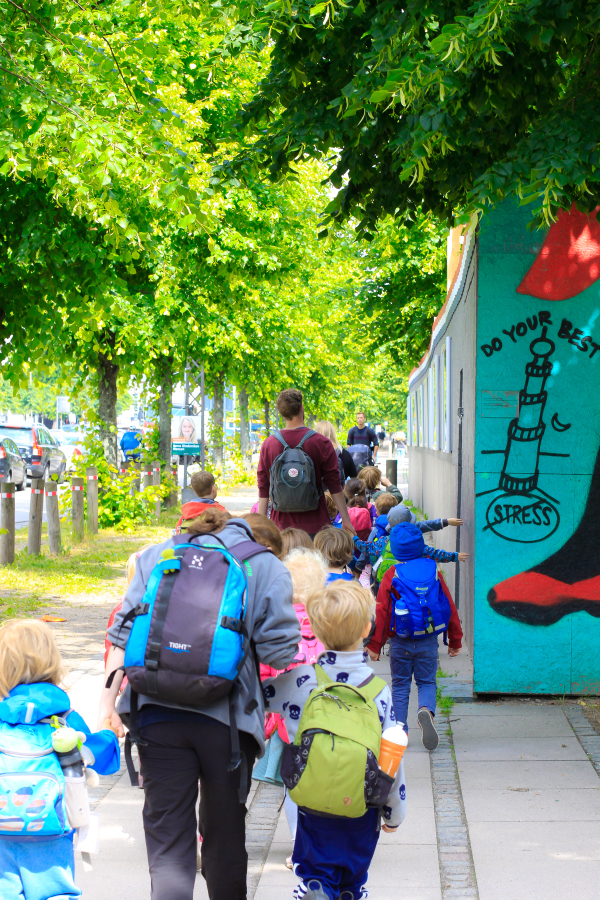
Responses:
[444,703]
[96,566]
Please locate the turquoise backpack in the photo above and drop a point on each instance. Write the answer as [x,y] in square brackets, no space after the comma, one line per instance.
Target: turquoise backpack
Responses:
[32,784]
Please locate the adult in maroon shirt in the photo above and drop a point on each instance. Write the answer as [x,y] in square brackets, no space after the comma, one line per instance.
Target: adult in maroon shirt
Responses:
[320,449]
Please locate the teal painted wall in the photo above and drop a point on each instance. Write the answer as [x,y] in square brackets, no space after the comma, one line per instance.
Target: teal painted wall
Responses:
[515,649]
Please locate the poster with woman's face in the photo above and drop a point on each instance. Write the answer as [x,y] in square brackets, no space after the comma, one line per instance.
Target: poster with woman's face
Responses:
[186,429]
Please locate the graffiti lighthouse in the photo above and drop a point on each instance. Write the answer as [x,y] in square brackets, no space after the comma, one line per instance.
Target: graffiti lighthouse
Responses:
[523,512]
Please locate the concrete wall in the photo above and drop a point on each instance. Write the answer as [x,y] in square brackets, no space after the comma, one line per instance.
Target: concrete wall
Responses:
[433,474]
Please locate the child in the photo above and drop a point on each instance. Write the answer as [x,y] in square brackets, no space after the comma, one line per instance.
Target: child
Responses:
[204,486]
[373,479]
[36,839]
[355,492]
[308,570]
[265,532]
[332,855]
[337,546]
[396,516]
[130,567]
[410,656]
[332,509]
[293,538]
[365,561]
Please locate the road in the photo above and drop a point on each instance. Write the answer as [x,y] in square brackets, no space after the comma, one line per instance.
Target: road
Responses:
[22,501]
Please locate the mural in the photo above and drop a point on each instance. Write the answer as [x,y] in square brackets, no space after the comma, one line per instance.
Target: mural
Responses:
[537,472]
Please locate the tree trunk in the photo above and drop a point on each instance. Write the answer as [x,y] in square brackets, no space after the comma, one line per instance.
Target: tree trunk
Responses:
[164,410]
[107,406]
[217,421]
[267,428]
[245,429]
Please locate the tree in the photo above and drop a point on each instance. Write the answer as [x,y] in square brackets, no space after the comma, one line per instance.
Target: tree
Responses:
[431,106]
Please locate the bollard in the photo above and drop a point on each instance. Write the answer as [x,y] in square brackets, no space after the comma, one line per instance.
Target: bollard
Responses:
[123,467]
[7,523]
[77,486]
[53,517]
[391,470]
[147,476]
[156,481]
[135,484]
[36,514]
[174,495]
[92,499]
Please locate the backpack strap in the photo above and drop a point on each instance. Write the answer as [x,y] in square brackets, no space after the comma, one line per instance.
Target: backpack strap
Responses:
[322,676]
[308,434]
[371,687]
[278,435]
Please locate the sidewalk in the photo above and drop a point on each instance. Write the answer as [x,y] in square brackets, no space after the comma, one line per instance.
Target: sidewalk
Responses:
[519,810]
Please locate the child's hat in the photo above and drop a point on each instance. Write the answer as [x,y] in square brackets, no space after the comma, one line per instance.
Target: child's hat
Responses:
[406,541]
[400,513]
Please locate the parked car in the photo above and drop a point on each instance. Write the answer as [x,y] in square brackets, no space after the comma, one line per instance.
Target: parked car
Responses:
[12,464]
[41,453]
[70,442]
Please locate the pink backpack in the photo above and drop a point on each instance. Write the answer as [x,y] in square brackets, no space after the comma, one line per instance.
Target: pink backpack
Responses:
[309,650]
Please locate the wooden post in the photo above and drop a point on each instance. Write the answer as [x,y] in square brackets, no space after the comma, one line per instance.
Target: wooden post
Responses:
[135,485]
[77,487]
[156,481]
[53,517]
[36,514]
[391,470]
[7,523]
[174,495]
[92,499]
[147,475]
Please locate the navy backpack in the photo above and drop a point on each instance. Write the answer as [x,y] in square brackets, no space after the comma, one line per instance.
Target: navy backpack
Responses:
[189,642]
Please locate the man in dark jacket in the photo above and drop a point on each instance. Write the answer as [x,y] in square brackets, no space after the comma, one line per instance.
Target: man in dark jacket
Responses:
[361,434]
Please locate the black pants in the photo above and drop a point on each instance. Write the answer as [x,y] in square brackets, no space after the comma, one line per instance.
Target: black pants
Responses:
[174,756]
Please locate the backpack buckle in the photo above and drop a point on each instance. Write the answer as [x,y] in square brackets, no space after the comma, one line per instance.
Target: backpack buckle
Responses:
[234,624]
[143,609]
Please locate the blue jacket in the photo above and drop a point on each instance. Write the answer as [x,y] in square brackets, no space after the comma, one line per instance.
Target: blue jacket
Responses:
[27,704]
[131,441]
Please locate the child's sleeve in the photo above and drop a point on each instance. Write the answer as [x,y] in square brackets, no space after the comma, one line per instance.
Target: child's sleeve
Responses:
[103,744]
[394,810]
[373,548]
[432,525]
[443,556]
[288,693]
[395,492]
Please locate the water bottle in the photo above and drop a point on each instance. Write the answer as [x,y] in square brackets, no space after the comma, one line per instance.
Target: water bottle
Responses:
[402,620]
[66,743]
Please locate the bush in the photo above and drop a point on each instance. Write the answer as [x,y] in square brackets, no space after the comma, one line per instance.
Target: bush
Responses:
[118,506]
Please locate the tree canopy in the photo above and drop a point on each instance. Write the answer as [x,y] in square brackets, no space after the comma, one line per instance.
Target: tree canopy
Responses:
[428,105]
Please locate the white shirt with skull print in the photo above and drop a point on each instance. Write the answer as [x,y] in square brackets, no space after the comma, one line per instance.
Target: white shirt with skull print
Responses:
[288,693]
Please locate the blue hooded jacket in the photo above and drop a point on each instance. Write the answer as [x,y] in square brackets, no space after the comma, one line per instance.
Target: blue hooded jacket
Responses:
[406,542]
[27,704]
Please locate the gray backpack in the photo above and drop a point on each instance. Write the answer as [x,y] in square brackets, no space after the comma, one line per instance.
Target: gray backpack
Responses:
[293,484]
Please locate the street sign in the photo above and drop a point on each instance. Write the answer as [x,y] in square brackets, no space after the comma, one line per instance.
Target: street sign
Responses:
[185,448]
[63,405]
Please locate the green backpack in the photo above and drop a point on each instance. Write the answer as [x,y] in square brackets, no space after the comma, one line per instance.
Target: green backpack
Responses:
[331,768]
[387,560]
